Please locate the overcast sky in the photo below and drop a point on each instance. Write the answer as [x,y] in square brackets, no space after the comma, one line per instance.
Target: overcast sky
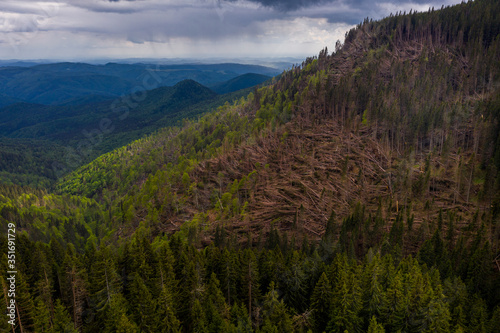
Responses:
[89,29]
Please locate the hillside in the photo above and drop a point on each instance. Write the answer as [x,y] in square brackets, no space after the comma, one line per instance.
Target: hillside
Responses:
[396,144]
[357,192]
[62,131]
[240,82]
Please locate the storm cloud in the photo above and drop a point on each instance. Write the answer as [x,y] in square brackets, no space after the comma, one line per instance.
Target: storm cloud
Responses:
[79,29]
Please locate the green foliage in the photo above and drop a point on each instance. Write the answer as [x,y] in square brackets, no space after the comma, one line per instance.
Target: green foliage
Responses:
[138,255]
[166,285]
[62,319]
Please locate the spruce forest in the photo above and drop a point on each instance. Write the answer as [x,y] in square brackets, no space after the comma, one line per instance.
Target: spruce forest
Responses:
[357,192]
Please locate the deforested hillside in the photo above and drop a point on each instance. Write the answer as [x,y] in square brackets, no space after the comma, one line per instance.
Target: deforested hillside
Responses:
[400,117]
[358,192]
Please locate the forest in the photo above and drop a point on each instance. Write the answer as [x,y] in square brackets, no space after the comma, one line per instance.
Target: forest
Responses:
[319,202]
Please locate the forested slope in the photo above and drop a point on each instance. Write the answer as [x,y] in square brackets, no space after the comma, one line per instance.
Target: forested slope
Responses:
[325,137]
[40,143]
[359,192]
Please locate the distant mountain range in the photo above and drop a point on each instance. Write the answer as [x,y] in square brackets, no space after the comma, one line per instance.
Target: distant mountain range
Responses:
[77,83]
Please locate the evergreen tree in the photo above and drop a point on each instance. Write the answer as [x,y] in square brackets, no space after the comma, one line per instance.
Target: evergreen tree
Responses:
[374,297]
[24,304]
[199,324]
[321,303]
[124,325]
[397,303]
[240,319]
[274,312]
[166,320]
[249,279]
[62,319]
[115,315]
[42,318]
[375,327]
[347,303]
[142,304]
[215,306]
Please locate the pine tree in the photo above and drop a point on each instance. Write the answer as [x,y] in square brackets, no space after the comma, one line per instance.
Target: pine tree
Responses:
[142,304]
[190,289]
[347,302]
[437,317]
[229,275]
[42,318]
[397,303]
[115,315]
[321,303]
[124,325]
[293,282]
[374,326]
[215,306]
[73,277]
[24,304]
[166,320]
[478,316]
[62,319]
[240,319]
[250,279]
[274,311]
[104,279]
[374,297]
[199,324]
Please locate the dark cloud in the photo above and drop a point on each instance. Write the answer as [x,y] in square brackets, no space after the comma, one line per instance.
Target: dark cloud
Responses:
[288,5]
[359,5]
[185,27]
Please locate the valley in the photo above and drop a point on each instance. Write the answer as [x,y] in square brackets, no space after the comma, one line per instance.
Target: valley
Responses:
[356,192]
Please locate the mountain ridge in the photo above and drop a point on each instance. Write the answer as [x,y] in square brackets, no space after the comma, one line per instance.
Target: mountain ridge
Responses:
[414,135]
[359,191]
[62,83]
[240,82]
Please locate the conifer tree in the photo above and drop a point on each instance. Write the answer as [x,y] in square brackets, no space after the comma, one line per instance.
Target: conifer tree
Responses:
[240,319]
[274,312]
[347,303]
[116,314]
[321,303]
[293,283]
[374,296]
[397,303]
[215,306]
[250,279]
[374,326]
[124,325]
[62,319]
[229,275]
[199,324]
[24,304]
[142,303]
[104,279]
[42,318]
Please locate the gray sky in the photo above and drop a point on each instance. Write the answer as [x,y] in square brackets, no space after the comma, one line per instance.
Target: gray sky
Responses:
[87,29]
